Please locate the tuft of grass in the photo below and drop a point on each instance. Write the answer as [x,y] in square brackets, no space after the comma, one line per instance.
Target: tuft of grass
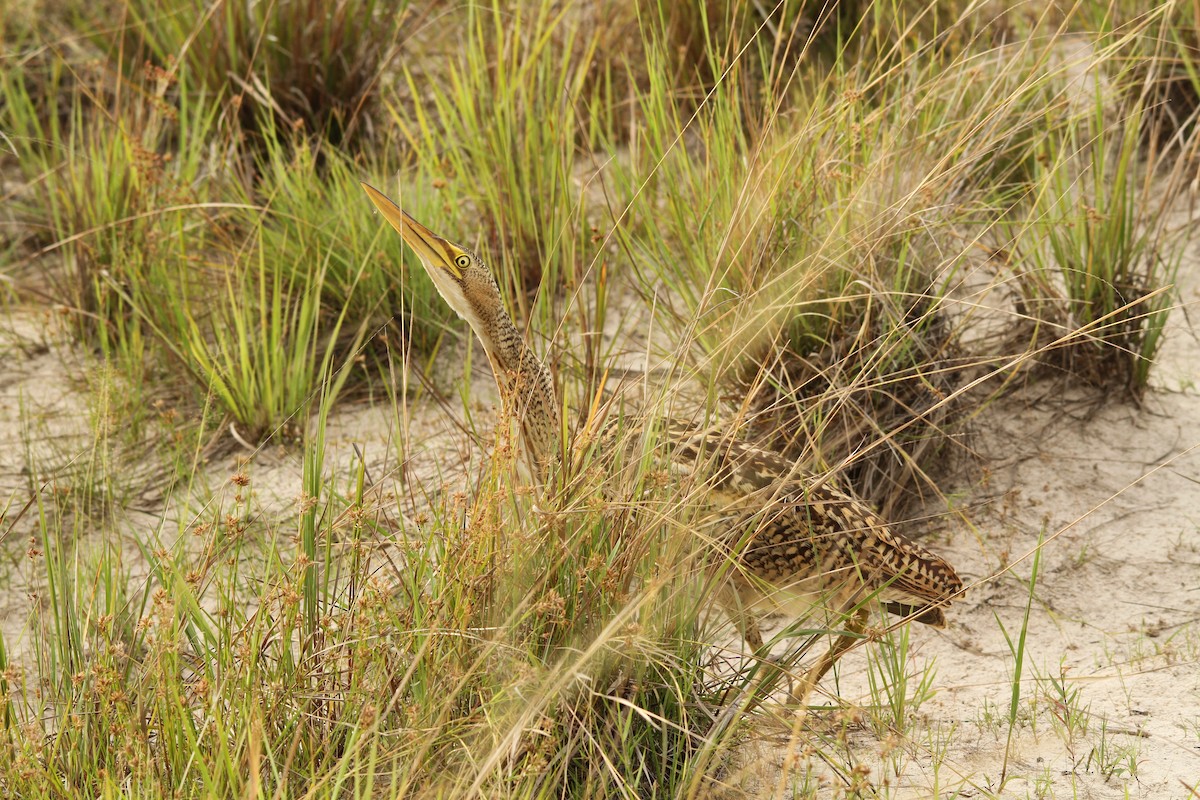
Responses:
[302,64]
[142,234]
[1113,760]
[900,692]
[805,279]
[282,662]
[103,194]
[1070,715]
[261,349]
[1098,264]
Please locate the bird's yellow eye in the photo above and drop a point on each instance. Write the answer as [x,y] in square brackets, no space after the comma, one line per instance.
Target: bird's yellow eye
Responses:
[462,262]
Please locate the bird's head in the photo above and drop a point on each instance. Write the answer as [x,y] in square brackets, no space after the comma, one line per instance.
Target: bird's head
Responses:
[526,386]
[460,276]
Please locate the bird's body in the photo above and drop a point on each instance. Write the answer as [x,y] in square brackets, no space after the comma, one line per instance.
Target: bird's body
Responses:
[797,546]
[783,540]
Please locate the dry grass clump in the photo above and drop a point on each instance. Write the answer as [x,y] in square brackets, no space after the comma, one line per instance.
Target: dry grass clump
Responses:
[846,352]
[876,401]
[486,645]
[818,304]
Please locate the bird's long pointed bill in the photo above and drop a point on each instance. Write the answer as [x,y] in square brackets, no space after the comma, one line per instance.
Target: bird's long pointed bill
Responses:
[433,249]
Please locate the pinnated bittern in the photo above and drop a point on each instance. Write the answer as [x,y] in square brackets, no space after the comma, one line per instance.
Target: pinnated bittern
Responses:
[794,543]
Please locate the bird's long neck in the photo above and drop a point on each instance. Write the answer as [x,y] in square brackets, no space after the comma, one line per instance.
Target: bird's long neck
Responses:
[526,387]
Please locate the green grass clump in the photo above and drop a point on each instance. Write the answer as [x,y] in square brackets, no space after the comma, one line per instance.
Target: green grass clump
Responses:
[1098,263]
[103,196]
[301,63]
[260,345]
[169,256]
[141,235]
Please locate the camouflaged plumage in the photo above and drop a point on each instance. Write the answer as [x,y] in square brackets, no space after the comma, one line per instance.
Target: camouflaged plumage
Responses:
[791,541]
[799,545]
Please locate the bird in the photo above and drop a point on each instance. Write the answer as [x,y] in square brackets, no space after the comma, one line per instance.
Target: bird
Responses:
[786,540]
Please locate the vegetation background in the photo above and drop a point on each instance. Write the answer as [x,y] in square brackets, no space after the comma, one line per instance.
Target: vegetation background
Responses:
[262,535]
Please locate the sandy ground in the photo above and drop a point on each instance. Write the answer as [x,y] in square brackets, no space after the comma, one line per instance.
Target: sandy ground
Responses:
[1109,702]
[1115,619]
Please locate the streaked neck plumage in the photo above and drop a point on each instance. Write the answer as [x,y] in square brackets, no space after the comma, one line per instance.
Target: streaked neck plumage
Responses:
[466,284]
[526,386]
